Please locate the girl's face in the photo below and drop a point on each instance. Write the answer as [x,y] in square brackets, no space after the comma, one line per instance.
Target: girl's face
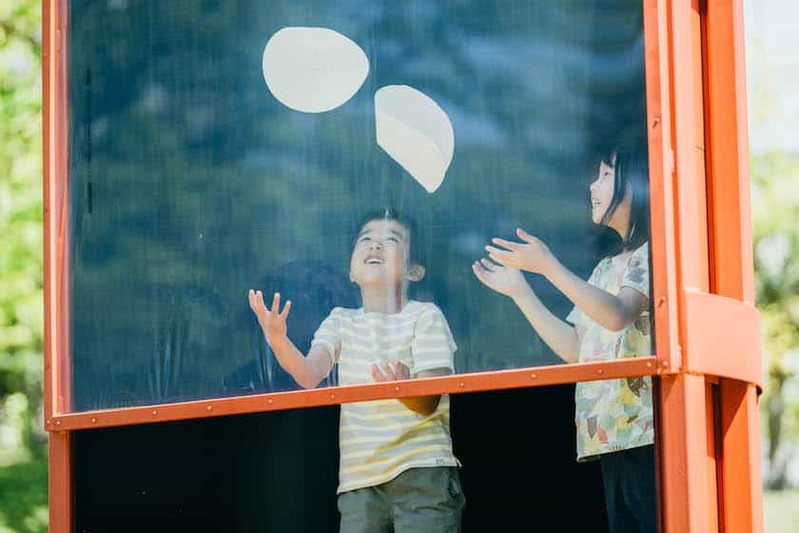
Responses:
[602,198]
[602,192]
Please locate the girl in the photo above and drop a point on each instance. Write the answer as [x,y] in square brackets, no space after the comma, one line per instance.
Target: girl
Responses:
[610,320]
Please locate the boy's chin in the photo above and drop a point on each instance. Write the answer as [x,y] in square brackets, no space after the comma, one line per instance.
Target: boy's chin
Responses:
[377,281]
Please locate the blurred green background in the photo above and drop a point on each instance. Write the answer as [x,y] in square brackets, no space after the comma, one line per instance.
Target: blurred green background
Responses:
[772,69]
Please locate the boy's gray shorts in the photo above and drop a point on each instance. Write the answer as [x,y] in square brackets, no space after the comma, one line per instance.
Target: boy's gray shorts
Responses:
[420,499]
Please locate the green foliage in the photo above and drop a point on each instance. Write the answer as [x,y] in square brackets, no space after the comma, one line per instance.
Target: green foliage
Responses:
[775,187]
[23,497]
[21,317]
[775,198]
[23,465]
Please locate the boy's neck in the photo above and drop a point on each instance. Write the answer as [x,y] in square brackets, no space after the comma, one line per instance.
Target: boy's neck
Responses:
[383,300]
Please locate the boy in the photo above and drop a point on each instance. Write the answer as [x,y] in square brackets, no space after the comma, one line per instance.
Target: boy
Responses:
[397,471]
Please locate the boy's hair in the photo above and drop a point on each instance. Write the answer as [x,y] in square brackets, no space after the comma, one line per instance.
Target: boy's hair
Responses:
[630,168]
[389,213]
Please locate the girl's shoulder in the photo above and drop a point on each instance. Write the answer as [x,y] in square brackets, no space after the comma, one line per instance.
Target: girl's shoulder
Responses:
[627,256]
[640,254]
[605,264]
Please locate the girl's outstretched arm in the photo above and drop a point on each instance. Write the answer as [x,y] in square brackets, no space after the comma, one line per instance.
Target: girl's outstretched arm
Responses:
[611,312]
[560,336]
[308,371]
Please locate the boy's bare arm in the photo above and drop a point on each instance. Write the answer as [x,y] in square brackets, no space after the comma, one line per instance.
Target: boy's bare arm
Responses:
[308,371]
[425,405]
[395,371]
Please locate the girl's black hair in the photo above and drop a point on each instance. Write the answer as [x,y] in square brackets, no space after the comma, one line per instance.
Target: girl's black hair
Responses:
[389,213]
[631,169]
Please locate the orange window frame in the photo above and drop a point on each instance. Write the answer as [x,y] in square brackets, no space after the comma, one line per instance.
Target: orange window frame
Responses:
[58,413]
[703,296]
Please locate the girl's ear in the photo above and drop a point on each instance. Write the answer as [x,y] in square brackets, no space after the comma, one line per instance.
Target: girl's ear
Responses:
[415,272]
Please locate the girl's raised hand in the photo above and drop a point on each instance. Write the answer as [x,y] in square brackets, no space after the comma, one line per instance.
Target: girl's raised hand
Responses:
[505,280]
[272,322]
[531,254]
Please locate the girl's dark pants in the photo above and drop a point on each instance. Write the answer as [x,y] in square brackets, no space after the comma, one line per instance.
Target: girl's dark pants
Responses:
[630,491]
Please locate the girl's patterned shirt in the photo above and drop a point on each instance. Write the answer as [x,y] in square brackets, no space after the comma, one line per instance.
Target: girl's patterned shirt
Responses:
[616,414]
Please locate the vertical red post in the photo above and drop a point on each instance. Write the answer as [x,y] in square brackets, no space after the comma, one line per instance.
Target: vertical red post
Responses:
[56,391]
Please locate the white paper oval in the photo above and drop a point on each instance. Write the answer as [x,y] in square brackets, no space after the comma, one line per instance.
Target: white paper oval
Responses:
[414,130]
[313,69]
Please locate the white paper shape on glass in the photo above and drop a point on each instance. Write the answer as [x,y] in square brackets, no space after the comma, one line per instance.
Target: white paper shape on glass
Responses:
[313,69]
[414,130]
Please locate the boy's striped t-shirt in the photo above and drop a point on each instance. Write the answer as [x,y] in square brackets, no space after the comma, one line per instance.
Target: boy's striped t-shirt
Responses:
[383,438]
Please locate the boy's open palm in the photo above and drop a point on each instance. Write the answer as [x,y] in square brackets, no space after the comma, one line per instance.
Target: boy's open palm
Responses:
[392,371]
[505,280]
[272,321]
[531,254]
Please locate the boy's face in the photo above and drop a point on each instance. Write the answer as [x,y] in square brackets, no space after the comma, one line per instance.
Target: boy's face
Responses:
[380,255]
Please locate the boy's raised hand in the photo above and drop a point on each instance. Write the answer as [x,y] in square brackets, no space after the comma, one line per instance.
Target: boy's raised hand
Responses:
[272,321]
[505,280]
[531,254]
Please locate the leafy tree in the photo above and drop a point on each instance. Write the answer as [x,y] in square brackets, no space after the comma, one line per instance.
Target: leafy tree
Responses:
[21,321]
[775,182]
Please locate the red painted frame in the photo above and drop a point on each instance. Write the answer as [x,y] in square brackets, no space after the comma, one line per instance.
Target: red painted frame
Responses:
[60,417]
[702,282]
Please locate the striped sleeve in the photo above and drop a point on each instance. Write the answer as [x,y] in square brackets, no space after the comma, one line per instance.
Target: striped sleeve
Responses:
[432,345]
[328,334]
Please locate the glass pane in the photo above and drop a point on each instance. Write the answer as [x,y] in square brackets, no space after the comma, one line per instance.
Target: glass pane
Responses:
[221,146]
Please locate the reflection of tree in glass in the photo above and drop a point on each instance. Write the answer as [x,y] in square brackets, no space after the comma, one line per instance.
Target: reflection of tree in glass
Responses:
[186,177]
